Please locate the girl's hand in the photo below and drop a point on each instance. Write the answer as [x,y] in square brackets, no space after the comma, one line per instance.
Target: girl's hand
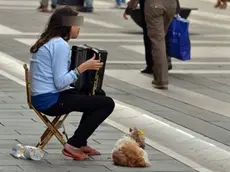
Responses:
[90,64]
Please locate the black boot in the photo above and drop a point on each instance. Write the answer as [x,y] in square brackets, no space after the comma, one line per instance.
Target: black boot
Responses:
[53,7]
[86,9]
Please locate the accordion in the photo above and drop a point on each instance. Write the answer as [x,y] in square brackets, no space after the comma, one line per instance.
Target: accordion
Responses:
[90,81]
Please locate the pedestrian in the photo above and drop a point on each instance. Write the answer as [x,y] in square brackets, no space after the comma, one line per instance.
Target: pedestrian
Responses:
[158,14]
[120,4]
[44,6]
[51,77]
[87,7]
[147,44]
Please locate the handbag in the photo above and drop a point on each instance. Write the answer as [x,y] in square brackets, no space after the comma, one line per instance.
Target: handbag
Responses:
[178,43]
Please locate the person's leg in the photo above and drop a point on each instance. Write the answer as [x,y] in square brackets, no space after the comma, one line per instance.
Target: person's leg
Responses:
[169,63]
[147,43]
[88,3]
[154,16]
[95,108]
[87,7]
[168,58]
[123,2]
[118,2]
[53,4]
[218,4]
[43,4]
[98,108]
[40,6]
[148,55]
[88,114]
[223,5]
[170,13]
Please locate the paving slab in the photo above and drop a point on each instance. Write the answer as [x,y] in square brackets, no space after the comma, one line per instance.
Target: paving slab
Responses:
[184,114]
[10,168]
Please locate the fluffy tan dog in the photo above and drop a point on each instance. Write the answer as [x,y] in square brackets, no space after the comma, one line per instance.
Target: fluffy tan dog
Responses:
[129,150]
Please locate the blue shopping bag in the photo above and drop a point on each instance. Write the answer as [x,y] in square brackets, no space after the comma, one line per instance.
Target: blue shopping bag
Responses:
[178,43]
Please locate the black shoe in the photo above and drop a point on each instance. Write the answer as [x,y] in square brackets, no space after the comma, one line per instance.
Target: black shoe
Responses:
[53,7]
[86,9]
[147,71]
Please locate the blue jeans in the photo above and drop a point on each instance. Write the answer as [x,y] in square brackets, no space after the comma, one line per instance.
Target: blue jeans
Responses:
[88,3]
[54,2]
[118,2]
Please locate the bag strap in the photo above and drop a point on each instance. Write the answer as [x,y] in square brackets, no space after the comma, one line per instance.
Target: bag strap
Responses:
[178,7]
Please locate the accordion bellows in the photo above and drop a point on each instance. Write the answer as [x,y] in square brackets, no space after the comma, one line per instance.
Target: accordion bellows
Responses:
[90,81]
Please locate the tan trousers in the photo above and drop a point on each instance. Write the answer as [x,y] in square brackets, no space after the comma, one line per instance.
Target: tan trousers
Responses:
[45,3]
[158,15]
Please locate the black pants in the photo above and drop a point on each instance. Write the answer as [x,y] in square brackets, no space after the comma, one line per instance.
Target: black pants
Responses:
[95,110]
[147,42]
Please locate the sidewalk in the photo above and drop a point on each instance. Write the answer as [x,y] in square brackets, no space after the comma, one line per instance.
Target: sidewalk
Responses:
[18,124]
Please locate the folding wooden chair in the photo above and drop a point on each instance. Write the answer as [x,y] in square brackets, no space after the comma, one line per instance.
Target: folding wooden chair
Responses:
[52,127]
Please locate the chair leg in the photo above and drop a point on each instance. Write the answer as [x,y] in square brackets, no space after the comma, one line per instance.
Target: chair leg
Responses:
[47,135]
[60,123]
[64,130]
[53,129]
[47,132]
[55,120]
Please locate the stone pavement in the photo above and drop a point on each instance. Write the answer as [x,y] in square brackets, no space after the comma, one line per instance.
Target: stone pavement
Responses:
[18,124]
